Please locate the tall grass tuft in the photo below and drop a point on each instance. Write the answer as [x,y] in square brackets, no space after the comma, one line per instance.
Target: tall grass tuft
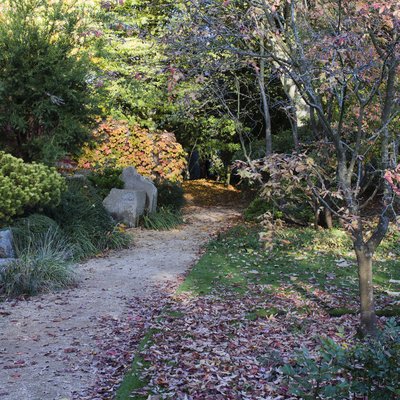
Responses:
[162,220]
[42,265]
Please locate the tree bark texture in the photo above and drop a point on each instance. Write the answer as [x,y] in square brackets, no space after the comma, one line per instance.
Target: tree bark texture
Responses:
[367,307]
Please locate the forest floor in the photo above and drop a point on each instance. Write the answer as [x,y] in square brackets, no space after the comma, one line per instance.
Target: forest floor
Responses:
[77,344]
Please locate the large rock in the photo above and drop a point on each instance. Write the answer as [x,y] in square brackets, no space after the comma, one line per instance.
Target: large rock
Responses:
[134,181]
[126,205]
[6,244]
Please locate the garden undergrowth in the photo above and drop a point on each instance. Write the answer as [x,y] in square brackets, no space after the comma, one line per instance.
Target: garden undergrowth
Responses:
[310,262]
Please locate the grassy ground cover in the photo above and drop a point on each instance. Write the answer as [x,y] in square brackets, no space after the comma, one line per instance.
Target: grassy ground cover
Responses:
[243,312]
[319,265]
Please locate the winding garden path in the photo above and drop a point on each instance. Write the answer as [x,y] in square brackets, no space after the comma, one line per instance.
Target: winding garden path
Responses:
[48,344]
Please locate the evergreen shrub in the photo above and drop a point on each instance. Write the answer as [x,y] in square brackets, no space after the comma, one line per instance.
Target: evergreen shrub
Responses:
[258,207]
[103,180]
[26,187]
[86,223]
[46,96]
[170,195]
[370,369]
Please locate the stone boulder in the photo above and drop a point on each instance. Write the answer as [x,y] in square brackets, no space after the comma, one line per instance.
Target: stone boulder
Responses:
[6,244]
[126,205]
[134,181]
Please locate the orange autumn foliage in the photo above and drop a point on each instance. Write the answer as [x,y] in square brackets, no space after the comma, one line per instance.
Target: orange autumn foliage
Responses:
[155,155]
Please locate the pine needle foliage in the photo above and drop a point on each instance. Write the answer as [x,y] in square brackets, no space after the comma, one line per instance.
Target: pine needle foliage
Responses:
[46,100]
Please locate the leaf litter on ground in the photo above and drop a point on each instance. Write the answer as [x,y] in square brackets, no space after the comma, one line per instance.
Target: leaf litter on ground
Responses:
[233,347]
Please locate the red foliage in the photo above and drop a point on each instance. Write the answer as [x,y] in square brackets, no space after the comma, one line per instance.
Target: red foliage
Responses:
[118,144]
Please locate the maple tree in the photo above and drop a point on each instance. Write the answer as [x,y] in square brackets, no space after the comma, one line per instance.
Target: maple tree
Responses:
[344,59]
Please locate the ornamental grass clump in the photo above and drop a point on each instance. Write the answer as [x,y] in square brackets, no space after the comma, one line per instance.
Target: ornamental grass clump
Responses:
[43,265]
[162,220]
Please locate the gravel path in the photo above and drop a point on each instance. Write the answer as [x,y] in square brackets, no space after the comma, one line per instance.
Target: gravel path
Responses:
[47,342]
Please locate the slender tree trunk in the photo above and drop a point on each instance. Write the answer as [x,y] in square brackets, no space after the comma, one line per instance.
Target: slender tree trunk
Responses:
[328,218]
[294,125]
[295,111]
[295,133]
[316,214]
[313,123]
[367,308]
[265,104]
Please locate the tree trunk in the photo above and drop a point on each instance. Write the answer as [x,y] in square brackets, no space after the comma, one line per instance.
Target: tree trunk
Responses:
[265,107]
[313,123]
[267,119]
[328,218]
[294,125]
[367,308]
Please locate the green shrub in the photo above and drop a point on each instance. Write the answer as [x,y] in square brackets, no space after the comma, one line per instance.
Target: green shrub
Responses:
[162,220]
[282,142]
[285,184]
[259,207]
[254,150]
[297,211]
[370,369]
[104,180]
[170,195]
[85,221]
[39,268]
[45,94]
[26,186]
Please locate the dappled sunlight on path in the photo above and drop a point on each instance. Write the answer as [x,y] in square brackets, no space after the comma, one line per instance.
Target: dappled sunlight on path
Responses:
[50,346]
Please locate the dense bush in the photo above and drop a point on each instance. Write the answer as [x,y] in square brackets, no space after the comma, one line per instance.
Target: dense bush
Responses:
[26,186]
[370,369]
[43,264]
[84,220]
[45,97]
[156,155]
[254,150]
[258,207]
[285,184]
[170,194]
[282,142]
[288,210]
[103,180]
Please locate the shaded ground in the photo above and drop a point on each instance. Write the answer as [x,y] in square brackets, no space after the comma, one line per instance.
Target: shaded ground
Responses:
[51,346]
[205,193]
